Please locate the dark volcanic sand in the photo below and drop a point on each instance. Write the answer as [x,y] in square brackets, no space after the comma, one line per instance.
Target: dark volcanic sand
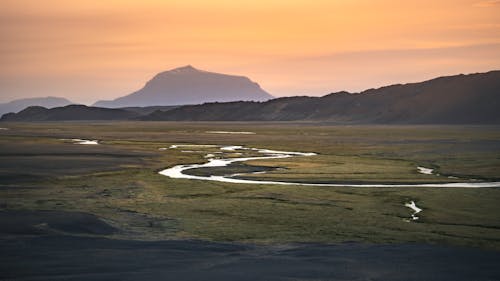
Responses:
[32,247]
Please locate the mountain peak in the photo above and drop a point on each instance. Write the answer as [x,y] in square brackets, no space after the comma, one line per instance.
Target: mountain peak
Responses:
[188,85]
[184,69]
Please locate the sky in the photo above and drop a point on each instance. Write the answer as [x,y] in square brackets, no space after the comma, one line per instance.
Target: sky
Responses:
[97,49]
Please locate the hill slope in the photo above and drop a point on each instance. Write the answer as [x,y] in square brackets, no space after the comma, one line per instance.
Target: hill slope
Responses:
[187,85]
[69,113]
[18,105]
[460,99]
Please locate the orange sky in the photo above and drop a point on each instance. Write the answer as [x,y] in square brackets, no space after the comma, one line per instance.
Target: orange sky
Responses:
[89,50]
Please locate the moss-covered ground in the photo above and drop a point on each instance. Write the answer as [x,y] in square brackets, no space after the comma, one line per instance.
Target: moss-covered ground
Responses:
[118,181]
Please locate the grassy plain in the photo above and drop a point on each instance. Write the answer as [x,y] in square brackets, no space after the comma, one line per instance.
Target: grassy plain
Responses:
[118,181]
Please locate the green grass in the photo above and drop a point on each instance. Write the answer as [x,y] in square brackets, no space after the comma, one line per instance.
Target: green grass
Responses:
[124,188]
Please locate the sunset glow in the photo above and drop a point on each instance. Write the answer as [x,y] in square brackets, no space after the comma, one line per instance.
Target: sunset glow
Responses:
[89,50]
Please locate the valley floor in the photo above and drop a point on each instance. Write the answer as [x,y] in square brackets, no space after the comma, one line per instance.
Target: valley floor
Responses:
[114,189]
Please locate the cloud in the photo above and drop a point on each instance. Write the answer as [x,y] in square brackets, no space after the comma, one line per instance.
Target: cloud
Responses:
[487,3]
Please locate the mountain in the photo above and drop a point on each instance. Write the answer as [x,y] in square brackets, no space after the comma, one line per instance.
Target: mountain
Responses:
[18,105]
[68,113]
[188,85]
[460,99]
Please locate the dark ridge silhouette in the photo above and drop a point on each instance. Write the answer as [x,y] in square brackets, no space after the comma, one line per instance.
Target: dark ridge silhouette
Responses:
[69,113]
[460,99]
[188,85]
[149,109]
[20,104]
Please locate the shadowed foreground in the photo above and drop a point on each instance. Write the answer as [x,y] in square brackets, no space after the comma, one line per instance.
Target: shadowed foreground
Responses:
[44,249]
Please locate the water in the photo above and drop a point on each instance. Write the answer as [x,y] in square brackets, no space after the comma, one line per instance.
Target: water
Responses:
[177,172]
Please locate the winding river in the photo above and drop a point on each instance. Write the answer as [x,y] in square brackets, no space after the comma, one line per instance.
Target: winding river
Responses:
[177,172]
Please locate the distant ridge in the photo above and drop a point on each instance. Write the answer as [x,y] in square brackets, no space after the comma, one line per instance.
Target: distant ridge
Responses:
[69,113]
[20,104]
[188,85]
[460,99]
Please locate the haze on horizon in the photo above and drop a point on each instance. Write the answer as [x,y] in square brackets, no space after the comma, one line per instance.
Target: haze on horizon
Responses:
[91,50]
